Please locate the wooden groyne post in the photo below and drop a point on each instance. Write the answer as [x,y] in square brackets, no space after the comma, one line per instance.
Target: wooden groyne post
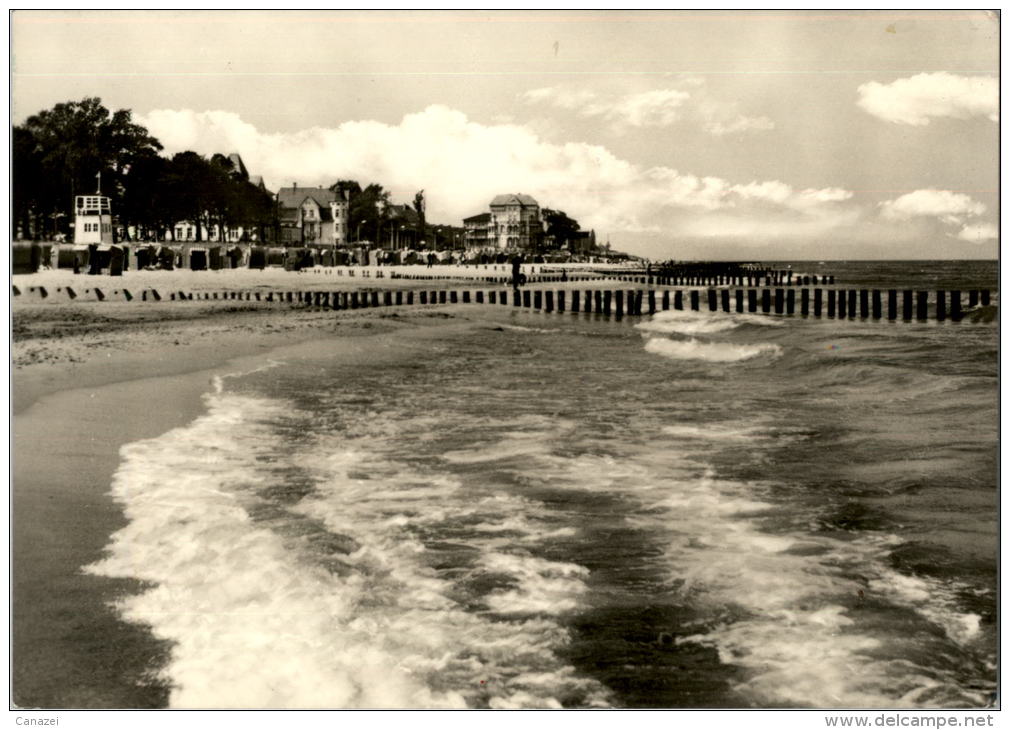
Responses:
[865,304]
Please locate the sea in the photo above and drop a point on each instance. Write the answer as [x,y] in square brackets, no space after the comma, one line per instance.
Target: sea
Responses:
[530,510]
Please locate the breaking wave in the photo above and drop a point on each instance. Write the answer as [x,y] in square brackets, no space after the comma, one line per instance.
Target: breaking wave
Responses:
[693,349]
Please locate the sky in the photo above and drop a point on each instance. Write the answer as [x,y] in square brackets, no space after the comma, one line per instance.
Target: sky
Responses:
[683,135]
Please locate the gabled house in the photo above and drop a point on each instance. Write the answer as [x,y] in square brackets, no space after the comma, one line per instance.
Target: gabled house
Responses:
[515,222]
[312,217]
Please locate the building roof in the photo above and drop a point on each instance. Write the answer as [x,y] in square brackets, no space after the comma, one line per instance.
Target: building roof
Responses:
[293,197]
[236,161]
[479,218]
[402,212]
[258,181]
[514,199]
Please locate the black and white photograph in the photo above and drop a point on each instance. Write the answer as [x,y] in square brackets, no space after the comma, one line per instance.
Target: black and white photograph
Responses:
[505,360]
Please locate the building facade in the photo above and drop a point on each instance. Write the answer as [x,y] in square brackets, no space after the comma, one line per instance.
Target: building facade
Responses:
[476,231]
[513,224]
[92,219]
[312,217]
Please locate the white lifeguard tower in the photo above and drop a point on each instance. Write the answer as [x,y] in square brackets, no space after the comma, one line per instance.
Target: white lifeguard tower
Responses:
[93,217]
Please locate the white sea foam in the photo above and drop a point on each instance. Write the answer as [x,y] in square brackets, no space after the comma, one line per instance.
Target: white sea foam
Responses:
[709,351]
[544,586]
[689,322]
[687,325]
[257,617]
[930,598]
[714,432]
[511,446]
[735,432]
[796,605]
[520,328]
[782,606]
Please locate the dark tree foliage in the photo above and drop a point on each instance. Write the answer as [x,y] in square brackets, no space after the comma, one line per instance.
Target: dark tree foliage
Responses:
[144,201]
[351,187]
[367,209]
[559,227]
[419,207]
[65,151]
[32,190]
[74,143]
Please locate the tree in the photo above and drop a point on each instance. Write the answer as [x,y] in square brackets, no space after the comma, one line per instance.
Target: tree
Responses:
[367,208]
[77,141]
[224,203]
[31,188]
[419,207]
[560,228]
[189,185]
[351,187]
[144,204]
[259,210]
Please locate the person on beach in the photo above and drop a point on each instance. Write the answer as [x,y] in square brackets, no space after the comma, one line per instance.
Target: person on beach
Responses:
[517,276]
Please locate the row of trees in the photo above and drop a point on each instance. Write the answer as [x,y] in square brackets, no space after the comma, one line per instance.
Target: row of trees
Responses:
[75,147]
[207,192]
[61,152]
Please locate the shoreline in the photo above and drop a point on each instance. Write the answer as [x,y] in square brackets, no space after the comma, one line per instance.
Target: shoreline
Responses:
[71,648]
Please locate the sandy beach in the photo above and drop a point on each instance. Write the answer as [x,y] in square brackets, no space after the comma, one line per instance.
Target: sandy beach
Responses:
[88,378]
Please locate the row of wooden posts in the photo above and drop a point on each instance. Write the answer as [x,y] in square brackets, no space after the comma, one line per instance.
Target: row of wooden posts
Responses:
[836,303]
[757,280]
[840,303]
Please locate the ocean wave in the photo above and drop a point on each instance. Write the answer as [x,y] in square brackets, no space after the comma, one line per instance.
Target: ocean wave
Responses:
[689,322]
[709,351]
[288,579]
[735,432]
[801,628]
[787,607]
[520,328]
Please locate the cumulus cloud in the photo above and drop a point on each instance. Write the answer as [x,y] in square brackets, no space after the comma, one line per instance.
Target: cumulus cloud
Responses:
[687,99]
[978,232]
[917,99]
[657,108]
[462,164]
[945,205]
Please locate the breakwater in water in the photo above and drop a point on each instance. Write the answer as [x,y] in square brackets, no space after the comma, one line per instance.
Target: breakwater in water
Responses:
[874,304]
